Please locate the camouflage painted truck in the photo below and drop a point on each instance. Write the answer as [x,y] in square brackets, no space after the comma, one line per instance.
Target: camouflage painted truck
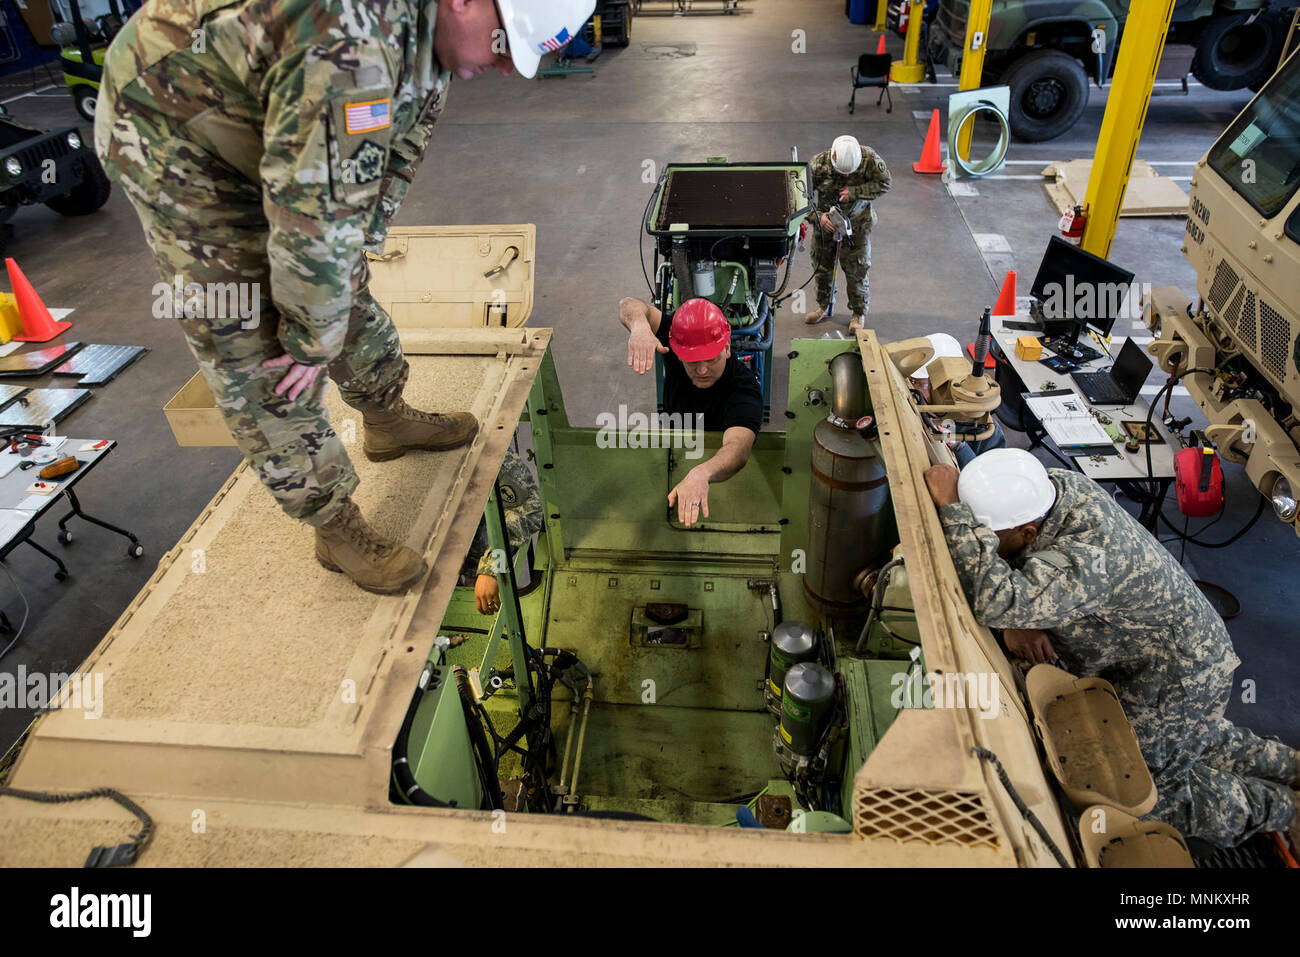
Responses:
[1238,347]
[1047,51]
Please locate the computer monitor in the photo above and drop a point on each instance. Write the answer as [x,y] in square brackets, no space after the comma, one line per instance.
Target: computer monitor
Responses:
[1074,289]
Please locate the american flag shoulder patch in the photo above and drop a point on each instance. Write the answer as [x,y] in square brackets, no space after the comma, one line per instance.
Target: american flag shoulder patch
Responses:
[369,116]
[555,42]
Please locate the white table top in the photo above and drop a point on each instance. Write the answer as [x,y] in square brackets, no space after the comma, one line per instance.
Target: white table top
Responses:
[18,506]
[1037,377]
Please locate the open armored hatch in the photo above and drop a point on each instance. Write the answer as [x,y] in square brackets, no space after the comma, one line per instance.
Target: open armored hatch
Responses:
[252,702]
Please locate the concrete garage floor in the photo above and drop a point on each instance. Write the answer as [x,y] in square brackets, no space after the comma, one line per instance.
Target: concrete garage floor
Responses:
[571,155]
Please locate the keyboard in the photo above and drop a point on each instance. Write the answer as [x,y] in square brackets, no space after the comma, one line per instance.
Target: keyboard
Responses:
[1100,388]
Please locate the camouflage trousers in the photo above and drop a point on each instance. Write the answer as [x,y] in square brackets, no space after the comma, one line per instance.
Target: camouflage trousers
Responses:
[855,261]
[205,226]
[1223,784]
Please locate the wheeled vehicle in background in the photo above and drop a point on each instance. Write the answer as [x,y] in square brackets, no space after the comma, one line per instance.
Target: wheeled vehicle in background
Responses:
[1046,51]
[57,168]
[84,43]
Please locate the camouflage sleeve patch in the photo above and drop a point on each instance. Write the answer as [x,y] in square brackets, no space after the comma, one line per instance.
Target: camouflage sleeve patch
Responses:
[326,139]
[872,179]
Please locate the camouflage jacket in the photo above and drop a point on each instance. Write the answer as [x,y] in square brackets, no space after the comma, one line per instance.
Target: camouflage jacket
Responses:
[325,106]
[1115,602]
[522,504]
[869,181]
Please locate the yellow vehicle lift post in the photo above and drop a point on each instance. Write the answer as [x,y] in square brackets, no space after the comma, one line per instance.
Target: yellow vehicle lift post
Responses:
[1121,126]
[882,12]
[910,69]
[972,62]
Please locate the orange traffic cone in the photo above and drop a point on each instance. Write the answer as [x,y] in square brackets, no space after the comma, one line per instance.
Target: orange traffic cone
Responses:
[1006,305]
[880,47]
[38,324]
[930,161]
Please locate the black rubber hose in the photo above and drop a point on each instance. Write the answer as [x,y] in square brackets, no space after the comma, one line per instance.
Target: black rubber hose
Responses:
[402,774]
[1021,806]
[1168,390]
[487,765]
[1259,511]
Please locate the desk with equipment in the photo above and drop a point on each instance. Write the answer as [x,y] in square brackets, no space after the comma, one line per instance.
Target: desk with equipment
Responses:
[1056,388]
[25,496]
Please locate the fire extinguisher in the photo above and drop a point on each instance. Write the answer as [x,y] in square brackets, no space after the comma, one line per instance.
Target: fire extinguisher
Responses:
[904,15]
[1072,225]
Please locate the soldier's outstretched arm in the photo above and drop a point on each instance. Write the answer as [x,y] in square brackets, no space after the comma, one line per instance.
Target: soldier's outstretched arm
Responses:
[325,140]
[1051,589]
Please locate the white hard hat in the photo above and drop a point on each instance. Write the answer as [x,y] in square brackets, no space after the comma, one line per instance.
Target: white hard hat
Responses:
[945,347]
[846,154]
[1006,488]
[538,27]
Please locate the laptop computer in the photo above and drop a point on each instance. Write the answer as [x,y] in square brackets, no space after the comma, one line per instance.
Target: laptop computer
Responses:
[1119,385]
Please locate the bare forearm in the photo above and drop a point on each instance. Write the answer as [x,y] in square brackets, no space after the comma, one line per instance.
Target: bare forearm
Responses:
[727,461]
[634,312]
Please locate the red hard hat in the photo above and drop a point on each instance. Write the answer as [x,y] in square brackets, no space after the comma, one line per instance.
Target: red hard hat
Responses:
[699,332]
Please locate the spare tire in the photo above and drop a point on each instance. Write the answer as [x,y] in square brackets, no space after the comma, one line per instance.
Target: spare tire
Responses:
[1049,92]
[1234,52]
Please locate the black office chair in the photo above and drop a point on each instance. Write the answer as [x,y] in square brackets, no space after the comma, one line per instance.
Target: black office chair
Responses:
[872,70]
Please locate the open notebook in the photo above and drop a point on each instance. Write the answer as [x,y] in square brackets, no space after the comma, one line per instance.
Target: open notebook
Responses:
[1067,419]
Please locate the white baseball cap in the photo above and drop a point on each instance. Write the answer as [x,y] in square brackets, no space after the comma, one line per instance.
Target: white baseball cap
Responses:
[1006,488]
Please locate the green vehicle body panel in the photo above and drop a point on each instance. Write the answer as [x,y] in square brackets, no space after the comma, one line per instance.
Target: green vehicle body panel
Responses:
[1013,20]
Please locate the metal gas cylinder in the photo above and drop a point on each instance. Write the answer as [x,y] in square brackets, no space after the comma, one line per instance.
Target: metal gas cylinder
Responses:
[848,498]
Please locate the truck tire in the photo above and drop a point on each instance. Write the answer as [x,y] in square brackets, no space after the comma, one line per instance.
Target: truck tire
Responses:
[1278,25]
[88,195]
[1049,92]
[623,35]
[85,98]
[1232,54]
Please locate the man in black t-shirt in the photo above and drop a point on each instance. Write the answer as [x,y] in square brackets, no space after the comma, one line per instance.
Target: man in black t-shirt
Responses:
[700,377]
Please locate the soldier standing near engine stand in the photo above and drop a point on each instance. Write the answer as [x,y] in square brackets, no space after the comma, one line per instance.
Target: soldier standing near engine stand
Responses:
[847,176]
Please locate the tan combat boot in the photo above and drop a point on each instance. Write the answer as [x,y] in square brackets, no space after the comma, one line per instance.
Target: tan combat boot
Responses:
[347,544]
[393,431]
[816,316]
[856,323]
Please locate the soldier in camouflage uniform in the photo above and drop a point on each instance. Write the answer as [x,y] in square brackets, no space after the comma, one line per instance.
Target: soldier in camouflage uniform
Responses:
[867,178]
[522,503]
[1119,607]
[268,143]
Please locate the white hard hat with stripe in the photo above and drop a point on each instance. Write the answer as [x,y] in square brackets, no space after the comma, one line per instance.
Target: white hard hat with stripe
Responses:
[537,27]
[846,154]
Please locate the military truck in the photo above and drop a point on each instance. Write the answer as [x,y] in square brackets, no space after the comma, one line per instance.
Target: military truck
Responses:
[620,708]
[1048,50]
[54,167]
[1239,349]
